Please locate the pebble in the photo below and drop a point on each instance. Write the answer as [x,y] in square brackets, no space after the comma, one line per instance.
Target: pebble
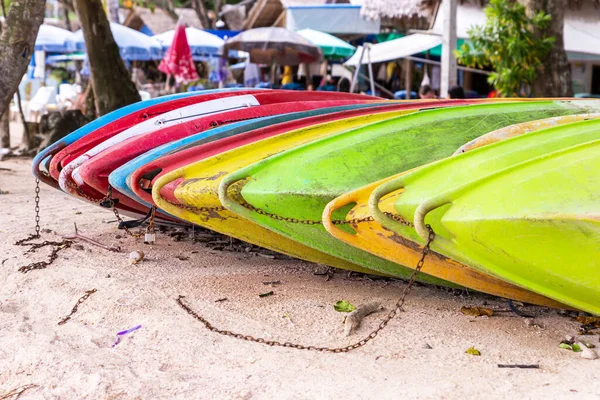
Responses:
[243,395]
[426,346]
[586,353]
[136,256]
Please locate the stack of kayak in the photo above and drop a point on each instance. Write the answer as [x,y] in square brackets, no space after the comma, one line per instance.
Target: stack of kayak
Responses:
[510,188]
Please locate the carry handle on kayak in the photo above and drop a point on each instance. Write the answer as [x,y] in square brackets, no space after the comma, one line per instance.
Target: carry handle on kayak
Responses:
[393,185]
[229,180]
[333,206]
[424,209]
[163,181]
[342,201]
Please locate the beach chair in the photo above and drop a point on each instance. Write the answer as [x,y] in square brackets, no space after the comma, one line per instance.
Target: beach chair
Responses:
[39,104]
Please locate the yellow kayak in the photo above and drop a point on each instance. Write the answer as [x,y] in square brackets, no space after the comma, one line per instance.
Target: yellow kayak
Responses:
[371,236]
[201,181]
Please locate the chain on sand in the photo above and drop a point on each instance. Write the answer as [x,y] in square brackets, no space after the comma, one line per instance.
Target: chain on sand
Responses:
[57,246]
[83,298]
[397,308]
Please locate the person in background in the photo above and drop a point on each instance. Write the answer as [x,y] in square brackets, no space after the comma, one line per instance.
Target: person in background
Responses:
[456,92]
[426,92]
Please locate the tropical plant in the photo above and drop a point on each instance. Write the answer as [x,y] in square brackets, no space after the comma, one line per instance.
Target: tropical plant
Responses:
[508,43]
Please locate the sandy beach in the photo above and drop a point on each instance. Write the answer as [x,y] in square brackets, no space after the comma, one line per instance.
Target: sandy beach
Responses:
[420,354]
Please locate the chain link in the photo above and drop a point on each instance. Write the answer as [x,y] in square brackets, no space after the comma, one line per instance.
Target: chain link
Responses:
[109,202]
[83,298]
[37,207]
[356,345]
[58,246]
[195,209]
[292,220]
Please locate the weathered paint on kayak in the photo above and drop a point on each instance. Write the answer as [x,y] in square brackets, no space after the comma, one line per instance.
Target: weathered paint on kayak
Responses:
[387,242]
[299,183]
[96,170]
[204,177]
[432,179]
[162,159]
[178,154]
[121,119]
[542,234]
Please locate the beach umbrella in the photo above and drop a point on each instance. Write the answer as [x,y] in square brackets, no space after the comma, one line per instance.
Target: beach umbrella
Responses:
[178,59]
[53,39]
[133,45]
[331,46]
[202,44]
[275,46]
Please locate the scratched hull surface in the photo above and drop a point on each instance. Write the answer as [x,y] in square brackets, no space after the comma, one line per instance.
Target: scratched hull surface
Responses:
[299,183]
[388,239]
[117,120]
[158,159]
[544,235]
[205,175]
[95,172]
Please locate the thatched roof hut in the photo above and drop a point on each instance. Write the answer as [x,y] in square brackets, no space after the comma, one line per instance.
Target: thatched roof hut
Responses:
[159,20]
[272,12]
[420,14]
[401,14]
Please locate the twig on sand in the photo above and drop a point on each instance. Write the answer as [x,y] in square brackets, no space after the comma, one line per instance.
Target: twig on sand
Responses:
[76,235]
[522,366]
[17,392]
[353,319]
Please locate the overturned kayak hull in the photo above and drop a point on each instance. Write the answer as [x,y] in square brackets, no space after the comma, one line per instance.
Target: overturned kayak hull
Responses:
[205,175]
[544,235]
[295,186]
[390,239]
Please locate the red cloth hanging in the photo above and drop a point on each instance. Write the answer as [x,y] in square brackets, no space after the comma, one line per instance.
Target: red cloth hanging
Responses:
[178,59]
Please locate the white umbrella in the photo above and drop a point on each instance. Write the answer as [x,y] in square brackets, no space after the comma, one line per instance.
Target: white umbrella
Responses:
[134,45]
[53,39]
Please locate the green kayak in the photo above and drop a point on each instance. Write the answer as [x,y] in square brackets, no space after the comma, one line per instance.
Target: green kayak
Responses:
[295,186]
[535,224]
[430,180]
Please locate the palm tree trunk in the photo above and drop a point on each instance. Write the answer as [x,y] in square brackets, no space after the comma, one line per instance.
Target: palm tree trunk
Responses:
[110,79]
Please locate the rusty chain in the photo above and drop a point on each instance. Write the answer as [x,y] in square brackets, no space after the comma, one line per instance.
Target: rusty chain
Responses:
[83,298]
[195,209]
[292,220]
[356,345]
[109,202]
[57,246]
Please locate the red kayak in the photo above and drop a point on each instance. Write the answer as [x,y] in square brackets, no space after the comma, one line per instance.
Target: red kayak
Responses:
[144,177]
[62,157]
[95,171]
[87,142]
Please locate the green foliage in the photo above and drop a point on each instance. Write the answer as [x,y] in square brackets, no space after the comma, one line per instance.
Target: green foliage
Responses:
[343,306]
[511,43]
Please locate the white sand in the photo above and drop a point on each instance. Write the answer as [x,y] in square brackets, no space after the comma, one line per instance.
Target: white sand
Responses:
[174,357]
